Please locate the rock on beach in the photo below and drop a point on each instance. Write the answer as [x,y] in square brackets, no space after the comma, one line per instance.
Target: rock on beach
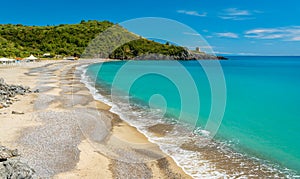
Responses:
[8,92]
[12,167]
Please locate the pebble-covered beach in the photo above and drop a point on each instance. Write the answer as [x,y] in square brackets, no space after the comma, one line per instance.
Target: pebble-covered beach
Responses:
[60,131]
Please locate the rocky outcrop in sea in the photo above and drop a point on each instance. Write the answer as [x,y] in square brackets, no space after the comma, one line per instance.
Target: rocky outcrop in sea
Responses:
[12,167]
[9,92]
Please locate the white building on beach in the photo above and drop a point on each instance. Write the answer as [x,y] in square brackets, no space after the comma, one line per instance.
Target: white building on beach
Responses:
[6,61]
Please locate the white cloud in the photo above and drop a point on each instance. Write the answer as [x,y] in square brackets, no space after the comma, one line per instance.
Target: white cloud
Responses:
[223,53]
[246,54]
[236,53]
[291,33]
[227,17]
[238,14]
[295,39]
[228,35]
[236,18]
[203,48]
[191,33]
[192,13]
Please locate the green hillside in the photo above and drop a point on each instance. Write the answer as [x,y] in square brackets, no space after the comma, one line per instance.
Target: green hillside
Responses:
[89,39]
[141,47]
[21,41]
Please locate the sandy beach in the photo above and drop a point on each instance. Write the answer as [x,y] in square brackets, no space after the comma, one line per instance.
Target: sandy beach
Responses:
[65,133]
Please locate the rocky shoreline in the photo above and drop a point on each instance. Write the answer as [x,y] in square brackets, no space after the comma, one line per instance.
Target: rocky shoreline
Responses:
[12,167]
[10,164]
[8,93]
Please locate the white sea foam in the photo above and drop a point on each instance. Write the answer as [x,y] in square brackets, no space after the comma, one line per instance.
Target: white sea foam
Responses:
[91,85]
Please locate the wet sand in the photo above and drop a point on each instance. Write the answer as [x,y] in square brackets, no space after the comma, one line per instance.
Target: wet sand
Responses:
[65,133]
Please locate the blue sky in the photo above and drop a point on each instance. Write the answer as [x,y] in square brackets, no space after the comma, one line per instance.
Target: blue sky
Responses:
[232,27]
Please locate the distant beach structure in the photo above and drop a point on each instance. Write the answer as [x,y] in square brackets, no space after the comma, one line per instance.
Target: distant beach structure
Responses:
[6,60]
[31,58]
[47,55]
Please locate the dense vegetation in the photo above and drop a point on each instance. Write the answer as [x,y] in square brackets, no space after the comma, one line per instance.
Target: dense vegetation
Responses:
[21,41]
[142,46]
[89,39]
[106,42]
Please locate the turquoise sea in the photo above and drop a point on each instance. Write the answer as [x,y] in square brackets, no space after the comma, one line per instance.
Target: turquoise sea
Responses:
[261,120]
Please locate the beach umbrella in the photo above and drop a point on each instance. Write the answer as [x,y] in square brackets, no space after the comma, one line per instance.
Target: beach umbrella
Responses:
[31,58]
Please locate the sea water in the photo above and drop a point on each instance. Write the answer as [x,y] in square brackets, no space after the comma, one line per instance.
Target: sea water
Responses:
[262,112]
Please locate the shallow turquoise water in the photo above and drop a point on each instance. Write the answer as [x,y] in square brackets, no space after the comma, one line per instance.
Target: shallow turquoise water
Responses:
[262,116]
